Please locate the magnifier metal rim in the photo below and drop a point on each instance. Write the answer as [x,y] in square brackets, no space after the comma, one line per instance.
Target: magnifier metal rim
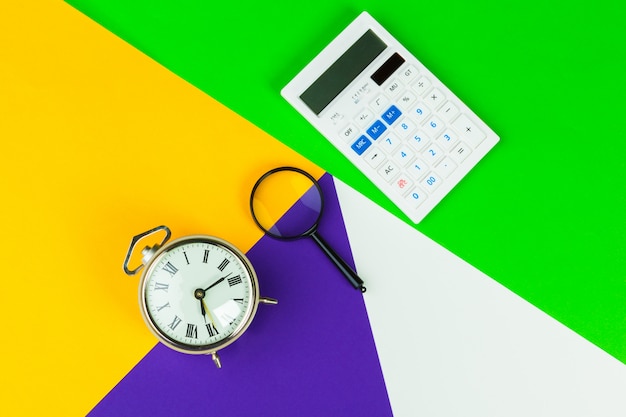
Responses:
[312,229]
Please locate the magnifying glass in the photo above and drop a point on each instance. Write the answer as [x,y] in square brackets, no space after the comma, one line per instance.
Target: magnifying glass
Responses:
[271,197]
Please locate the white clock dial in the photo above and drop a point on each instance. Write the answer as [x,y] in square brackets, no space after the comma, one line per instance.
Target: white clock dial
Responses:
[199,294]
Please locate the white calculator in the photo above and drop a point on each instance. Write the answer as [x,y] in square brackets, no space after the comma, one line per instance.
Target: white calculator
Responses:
[389,115]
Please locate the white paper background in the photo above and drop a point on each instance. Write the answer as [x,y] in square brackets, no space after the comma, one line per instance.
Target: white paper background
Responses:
[454,342]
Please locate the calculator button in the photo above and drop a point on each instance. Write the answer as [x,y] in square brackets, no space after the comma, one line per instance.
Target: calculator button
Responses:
[432,154]
[421,86]
[349,133]
[408,73]
[418,140]
[460,152]
[391,115]
[433,126]
[416,197]
[417,169]
[376,129]
[379,103]
[420,113]
[402,184]
[394,88]
[403,156]
[447,139]
[405,127]
[406,99]
[431,182]
[361,145]
[375,158]
[364,118]
[448,111]
[389,171]
[468,130]
[446,167]
[435,98]
[389,143]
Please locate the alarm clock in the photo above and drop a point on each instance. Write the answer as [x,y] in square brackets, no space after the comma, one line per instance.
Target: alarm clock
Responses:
[197,294]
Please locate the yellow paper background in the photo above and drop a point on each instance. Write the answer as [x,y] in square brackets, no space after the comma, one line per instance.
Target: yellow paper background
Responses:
[100,143]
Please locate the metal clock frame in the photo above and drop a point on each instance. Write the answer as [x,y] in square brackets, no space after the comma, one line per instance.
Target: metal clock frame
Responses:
[151,256]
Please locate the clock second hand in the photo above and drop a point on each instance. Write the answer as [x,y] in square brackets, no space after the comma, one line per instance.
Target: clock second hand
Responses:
[206,309]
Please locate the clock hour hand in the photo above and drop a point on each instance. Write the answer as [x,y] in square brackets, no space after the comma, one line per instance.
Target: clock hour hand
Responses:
[217,282]
[202,309]
[199,295]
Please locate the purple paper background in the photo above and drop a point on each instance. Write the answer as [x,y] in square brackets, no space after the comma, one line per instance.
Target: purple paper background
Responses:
[313,354]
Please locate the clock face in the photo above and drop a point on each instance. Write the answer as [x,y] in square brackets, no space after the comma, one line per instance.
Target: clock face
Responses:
[198,294]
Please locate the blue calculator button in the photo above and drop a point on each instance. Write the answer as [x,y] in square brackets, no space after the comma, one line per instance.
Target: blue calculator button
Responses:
[376,129]
[391,115]
[361,145]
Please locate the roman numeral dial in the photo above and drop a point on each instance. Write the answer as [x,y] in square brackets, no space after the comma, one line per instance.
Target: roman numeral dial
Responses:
[211,329]
[170,268]
[192,331]
[223,265]
[234,280]
[175,322]
[197,293]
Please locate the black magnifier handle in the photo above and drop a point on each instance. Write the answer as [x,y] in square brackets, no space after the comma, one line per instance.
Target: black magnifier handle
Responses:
[347,271]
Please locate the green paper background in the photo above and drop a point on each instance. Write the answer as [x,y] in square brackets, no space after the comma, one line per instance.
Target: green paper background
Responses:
[543,213]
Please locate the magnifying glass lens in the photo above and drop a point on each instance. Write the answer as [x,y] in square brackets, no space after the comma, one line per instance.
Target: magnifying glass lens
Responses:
[282,191]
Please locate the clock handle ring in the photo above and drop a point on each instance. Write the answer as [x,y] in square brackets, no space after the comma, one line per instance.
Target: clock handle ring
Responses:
[136,239]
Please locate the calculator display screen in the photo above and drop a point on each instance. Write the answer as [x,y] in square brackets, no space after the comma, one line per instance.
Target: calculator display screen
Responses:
[343,71]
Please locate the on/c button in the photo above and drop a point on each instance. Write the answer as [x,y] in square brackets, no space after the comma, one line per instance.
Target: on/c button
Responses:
[361,145]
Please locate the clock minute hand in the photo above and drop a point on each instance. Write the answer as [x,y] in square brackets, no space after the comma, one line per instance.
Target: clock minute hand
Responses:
[217,282]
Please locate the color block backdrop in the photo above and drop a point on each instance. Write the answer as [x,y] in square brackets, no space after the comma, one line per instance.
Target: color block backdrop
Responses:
[100,142]
[312,354]
[543,213]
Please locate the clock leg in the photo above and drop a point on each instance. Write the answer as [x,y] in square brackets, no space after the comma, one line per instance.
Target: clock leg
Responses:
[268,300]
[216,360]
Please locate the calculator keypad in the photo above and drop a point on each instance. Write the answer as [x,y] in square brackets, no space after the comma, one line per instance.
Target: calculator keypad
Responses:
[390,116]
[411,135]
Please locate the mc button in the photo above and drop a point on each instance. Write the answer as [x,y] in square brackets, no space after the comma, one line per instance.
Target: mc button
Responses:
[361,145]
